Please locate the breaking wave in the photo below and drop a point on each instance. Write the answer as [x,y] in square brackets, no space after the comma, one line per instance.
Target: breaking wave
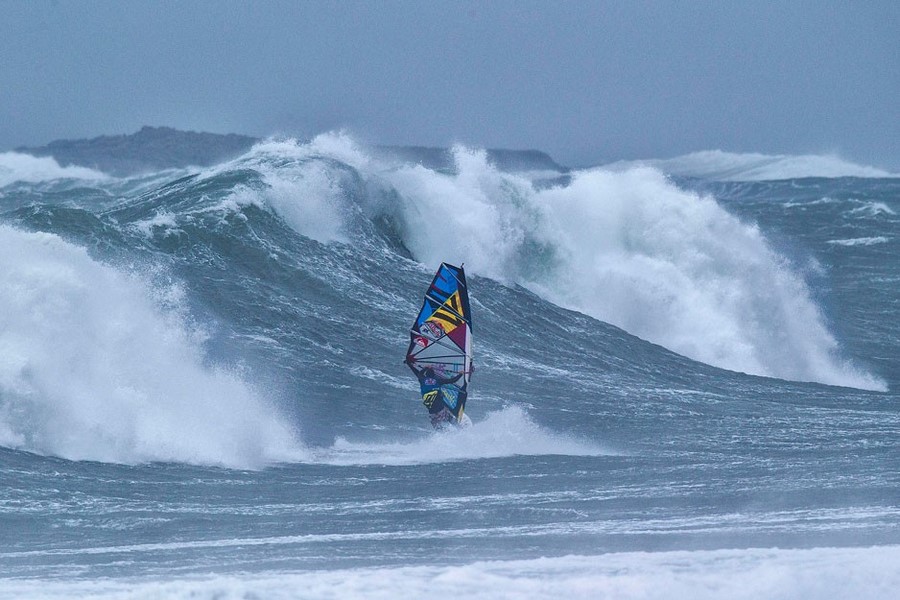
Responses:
[629,248]
[92,366]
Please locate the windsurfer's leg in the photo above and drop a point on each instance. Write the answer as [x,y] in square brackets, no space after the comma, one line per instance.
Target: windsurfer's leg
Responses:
[440,418]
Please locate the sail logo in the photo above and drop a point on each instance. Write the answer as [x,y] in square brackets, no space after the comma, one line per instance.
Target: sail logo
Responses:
[432,329]
[429,397]
[451,395]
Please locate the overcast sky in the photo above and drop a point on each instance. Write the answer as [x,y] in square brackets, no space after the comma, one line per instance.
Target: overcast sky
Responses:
[588,82]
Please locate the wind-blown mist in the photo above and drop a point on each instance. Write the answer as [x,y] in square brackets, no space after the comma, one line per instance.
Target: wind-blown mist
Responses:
[92,367]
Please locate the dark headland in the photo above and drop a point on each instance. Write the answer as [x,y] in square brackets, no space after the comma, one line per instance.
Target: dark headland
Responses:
[157,148]
[150,149]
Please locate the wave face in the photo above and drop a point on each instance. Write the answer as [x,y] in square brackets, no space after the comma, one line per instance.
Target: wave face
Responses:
[200,372]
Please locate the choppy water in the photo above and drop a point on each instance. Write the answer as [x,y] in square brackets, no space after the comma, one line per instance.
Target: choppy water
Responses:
[685,387]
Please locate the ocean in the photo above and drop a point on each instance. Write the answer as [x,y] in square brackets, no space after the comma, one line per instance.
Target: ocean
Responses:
[686,383]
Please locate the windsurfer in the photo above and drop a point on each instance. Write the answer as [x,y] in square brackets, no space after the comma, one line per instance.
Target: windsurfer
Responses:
[440,347]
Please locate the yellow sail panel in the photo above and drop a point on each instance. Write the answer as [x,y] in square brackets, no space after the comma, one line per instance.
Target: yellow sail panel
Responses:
[449,314]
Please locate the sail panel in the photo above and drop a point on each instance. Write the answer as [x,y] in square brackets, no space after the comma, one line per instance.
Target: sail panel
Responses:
[441,336]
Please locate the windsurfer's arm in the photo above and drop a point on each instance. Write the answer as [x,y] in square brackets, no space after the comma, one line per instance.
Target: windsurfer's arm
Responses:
[452,380]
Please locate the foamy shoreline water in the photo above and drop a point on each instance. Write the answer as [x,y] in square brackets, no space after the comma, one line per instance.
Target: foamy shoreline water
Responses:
[872,573]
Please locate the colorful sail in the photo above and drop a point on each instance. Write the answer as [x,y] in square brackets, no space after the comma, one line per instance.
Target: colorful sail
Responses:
[440,343]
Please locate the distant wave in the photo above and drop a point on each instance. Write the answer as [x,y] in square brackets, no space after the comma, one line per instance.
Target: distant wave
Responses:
[16,167]
[92,367]
[865,241]
[728,166]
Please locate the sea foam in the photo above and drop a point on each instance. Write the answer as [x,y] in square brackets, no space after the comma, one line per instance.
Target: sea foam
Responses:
[749,574]
[508,432]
